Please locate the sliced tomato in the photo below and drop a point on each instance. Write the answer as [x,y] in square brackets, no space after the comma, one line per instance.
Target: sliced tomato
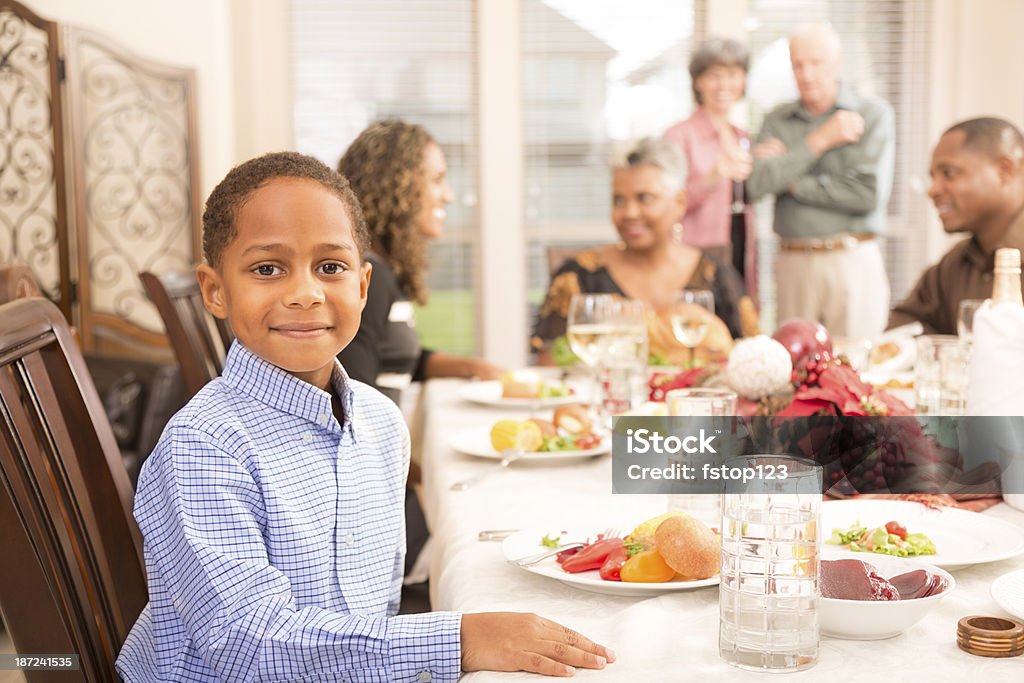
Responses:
[896,529]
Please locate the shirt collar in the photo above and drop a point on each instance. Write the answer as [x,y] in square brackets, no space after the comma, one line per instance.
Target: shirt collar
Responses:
[279,389]
[846,99]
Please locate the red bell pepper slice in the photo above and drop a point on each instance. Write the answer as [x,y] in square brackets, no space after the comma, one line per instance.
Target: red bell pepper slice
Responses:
[591,556]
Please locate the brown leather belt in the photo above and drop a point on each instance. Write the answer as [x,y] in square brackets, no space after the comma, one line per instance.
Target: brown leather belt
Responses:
[830,243]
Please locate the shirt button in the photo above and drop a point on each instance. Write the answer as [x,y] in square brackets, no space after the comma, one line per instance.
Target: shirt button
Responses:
[307,437]
[349,539]
[426,676]
[324,419]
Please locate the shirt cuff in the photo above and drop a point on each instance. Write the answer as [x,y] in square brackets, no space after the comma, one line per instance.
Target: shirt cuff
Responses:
[426,647]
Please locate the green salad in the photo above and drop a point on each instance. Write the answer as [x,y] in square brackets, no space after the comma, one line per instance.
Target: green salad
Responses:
[891,539]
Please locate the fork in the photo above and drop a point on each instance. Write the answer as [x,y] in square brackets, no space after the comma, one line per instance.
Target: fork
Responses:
[507,458]
[531,560]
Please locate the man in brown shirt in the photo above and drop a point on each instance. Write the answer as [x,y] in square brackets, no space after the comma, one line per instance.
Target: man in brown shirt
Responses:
[977,174]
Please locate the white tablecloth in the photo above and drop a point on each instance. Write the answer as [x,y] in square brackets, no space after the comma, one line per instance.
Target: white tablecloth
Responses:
[672,637]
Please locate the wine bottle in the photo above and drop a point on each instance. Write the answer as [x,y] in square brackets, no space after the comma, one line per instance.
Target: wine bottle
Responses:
[1006,285]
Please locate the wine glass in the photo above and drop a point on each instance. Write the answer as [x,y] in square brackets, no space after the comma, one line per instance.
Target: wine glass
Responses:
[689,318]
[587,329]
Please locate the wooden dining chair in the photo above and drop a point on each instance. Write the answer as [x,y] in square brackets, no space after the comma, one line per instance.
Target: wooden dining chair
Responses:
[16,282]
[71,570]
[200,341]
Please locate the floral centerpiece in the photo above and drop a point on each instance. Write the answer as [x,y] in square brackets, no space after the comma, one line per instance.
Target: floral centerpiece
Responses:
[817,407]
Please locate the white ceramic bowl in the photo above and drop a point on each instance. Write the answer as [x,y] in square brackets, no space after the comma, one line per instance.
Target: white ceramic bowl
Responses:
[877,619]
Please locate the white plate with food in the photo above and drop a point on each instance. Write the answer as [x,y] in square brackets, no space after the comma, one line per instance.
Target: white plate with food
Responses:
[492,393]
[1008,592]
[894,354]
[899,384]
[529,542]
[477,442]
[960,537]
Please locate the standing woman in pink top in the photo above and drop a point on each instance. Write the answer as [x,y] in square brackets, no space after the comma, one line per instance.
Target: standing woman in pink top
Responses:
[718,217]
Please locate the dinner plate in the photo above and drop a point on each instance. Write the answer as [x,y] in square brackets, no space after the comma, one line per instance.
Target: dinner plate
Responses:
[961,537]
[527,542]
[1008,592]
[488,393]
[903,359]
[477,442]
[904,381]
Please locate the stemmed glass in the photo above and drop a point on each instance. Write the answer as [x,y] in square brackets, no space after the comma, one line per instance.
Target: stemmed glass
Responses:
[689,321]
[587,330]
[609,334]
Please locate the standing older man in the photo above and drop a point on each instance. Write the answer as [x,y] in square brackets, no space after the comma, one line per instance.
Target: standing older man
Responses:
[828,159]
[977,187]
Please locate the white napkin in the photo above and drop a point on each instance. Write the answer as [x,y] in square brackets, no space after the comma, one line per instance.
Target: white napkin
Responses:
[997,361]
[997,375]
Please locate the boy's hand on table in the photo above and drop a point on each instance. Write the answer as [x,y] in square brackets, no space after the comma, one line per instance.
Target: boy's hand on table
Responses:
[513,641]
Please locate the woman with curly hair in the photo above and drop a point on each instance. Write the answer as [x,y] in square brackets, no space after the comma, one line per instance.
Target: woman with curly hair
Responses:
[399,174]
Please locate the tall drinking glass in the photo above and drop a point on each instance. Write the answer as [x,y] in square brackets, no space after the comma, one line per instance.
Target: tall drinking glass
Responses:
[690,314]
[625,356]
[940,375]
[588,329]
[770,553]
[698,402]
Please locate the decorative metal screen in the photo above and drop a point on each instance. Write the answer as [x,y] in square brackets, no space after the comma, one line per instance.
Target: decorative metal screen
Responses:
[33,227]
[136,194]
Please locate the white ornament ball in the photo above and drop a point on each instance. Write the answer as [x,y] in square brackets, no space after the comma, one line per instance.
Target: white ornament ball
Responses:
[758,367]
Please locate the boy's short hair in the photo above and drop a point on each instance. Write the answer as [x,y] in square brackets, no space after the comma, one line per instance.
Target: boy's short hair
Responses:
[238,185]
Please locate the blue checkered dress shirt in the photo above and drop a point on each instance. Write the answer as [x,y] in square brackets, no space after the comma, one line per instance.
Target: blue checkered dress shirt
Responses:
[275,539]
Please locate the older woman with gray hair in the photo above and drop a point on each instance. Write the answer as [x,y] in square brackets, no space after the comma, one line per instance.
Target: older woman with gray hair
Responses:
[718,217]
[649,262]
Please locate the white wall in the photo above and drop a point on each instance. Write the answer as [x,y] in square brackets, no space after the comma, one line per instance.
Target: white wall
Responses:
[977,69]
[191,33]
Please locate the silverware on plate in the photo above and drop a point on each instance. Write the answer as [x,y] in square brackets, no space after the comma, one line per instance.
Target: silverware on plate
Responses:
[495,534]
[531,560]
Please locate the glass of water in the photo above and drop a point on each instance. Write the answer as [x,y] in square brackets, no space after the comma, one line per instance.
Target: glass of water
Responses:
[770,555]
[940,375]
[698,402]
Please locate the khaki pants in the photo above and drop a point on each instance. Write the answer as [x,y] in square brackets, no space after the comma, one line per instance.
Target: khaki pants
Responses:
[846,290]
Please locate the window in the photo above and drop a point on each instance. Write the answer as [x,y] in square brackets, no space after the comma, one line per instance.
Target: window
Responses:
[885,48]
[595,73]
[358,62]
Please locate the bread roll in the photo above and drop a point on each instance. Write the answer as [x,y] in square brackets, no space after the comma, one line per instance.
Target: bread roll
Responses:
[520,384]
[662,341]
[689,547]
[547,427]
[574,420]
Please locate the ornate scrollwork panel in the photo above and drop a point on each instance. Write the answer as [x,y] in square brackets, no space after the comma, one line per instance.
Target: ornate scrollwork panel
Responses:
[29,225]
[136,177]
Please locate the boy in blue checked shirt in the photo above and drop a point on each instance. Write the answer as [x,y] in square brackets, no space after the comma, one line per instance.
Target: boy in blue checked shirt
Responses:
[272,507]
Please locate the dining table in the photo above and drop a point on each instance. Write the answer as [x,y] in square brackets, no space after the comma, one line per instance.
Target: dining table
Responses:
[663,636]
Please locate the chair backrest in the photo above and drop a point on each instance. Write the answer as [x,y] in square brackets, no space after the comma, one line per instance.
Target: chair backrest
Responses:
[72,577]
[199,340]
[16,282]
[557,254]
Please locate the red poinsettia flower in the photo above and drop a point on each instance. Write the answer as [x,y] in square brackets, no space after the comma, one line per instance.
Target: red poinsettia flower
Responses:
[841,391]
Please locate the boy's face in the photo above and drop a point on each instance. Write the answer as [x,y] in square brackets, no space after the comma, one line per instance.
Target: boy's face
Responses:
[291,283]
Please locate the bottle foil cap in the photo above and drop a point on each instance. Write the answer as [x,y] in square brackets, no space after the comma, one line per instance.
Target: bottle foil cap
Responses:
[1008,259]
